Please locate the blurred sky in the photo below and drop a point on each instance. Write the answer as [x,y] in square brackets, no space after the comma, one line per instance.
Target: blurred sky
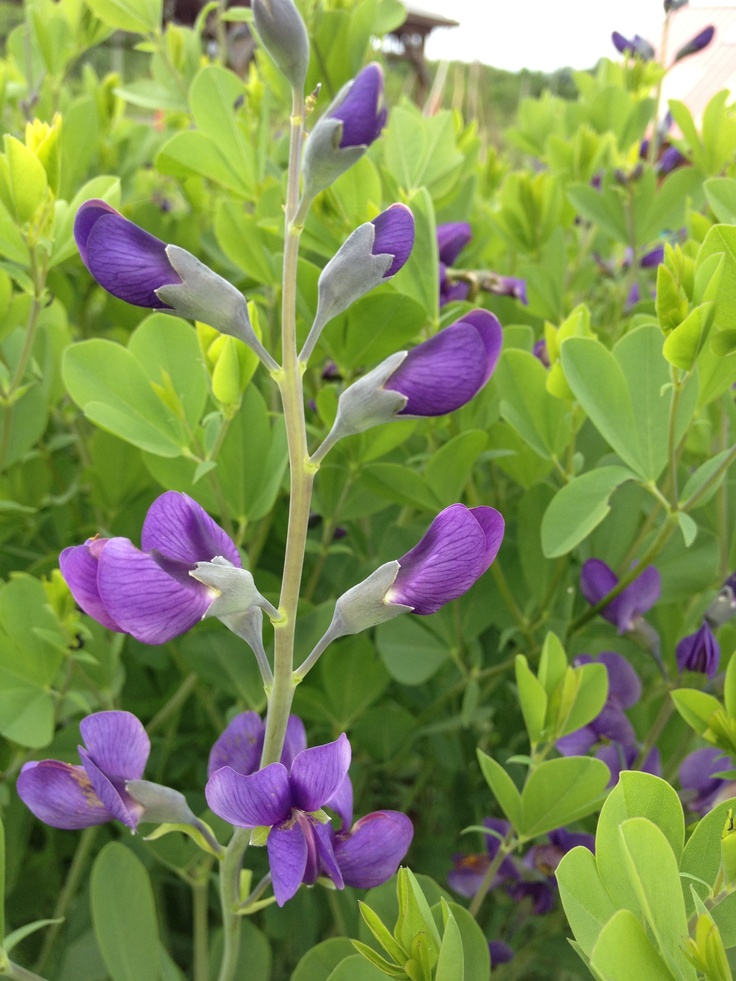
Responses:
[540,34]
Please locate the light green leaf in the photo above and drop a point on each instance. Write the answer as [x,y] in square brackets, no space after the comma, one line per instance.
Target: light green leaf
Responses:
[579,507]
[587,905]
[561,791]
[503,787]
[624,952]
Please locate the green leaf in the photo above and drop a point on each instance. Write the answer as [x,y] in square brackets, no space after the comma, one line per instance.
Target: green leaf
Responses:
[696,707]
[450,963]
[561,791]
[587,697]
[2,880]
[540,419]
[449,467]
[503,787]
[635,795]
[599,384]
[587,905]
[355,968]
[124,915]
[683,344]
[318,962]
[623,952]
[419,277]
[722,239]
[475,955]
[701,856]
[137,16]
[533,699]
[552,663]
[397,483]
[214,98]
[652,870]
[688,528]
[579,507]
[729,687]
[110,386]
[14,938]
[702,475]
[720,193]
[411,653]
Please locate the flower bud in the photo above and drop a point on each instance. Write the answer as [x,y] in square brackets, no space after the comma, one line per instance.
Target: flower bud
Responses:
[352,122]
[139,268]
[637,46]
[699,652]
[374,252]
[696,44]
[282,31]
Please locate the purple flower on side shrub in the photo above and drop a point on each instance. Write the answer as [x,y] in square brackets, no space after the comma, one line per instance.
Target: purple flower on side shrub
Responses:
[445,372]
[394,236]
[71,797]
[597,580]
[652,258]
[468,871]
[611,724]
[699,652]
[452,237]
[637,46]
[150,593]
[540,352]
[670,160]
[697,43]
[703,790]
[505,286]
[618,757]
[500,953]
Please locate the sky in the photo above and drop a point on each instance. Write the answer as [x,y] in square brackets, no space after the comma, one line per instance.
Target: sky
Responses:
[539,34]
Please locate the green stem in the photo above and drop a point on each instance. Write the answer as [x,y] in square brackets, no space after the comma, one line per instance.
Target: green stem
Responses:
[505,848]
[182,693]
[67,894]
[713,479]
[229,901]
[17,973]
[289,381]
[200,890]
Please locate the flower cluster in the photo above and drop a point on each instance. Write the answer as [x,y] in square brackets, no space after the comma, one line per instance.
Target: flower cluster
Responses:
[452,238]
[287,799]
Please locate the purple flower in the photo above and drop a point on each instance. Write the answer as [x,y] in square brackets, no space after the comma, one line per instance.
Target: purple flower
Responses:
[394,236]
[468,871]
[669,161]
[702,789]
[636,46]
[699,652]
[452,237]
[611,724]
[458,547]
[150,594]
[240,745]
[505,286]
[71,797]
[443,373]
[696,44]
[633,296]
[127,261]
[361,110]
[451,291]
[597,580]
[500,953]
[300,847]
[652,258]
[540,352]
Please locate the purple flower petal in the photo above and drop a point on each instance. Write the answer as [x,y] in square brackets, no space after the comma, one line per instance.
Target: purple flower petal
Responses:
[143,598]
[60,795]
[394,236]
[322,836]
[239,746]
[115,799]
[577,743]
[452,237]
[696,775]
[443,373]
[262,798]
[597,580]
[652,258]
[86,219]
[468,873]
[493,527]
[500,953]
[624,686]
[611,723]
[118,744]
[341,803]
[362,111]
[79,566]
[699,652]
[370,854]
[295,741]
[446,562]
[181,529]
[317,773]
[697,43]
[127,261]
[287,856]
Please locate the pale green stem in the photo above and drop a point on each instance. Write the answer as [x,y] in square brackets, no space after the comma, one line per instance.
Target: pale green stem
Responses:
[714,478]
[289,380]
[182,693]
[17,973]
[229,901]
[200,891]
